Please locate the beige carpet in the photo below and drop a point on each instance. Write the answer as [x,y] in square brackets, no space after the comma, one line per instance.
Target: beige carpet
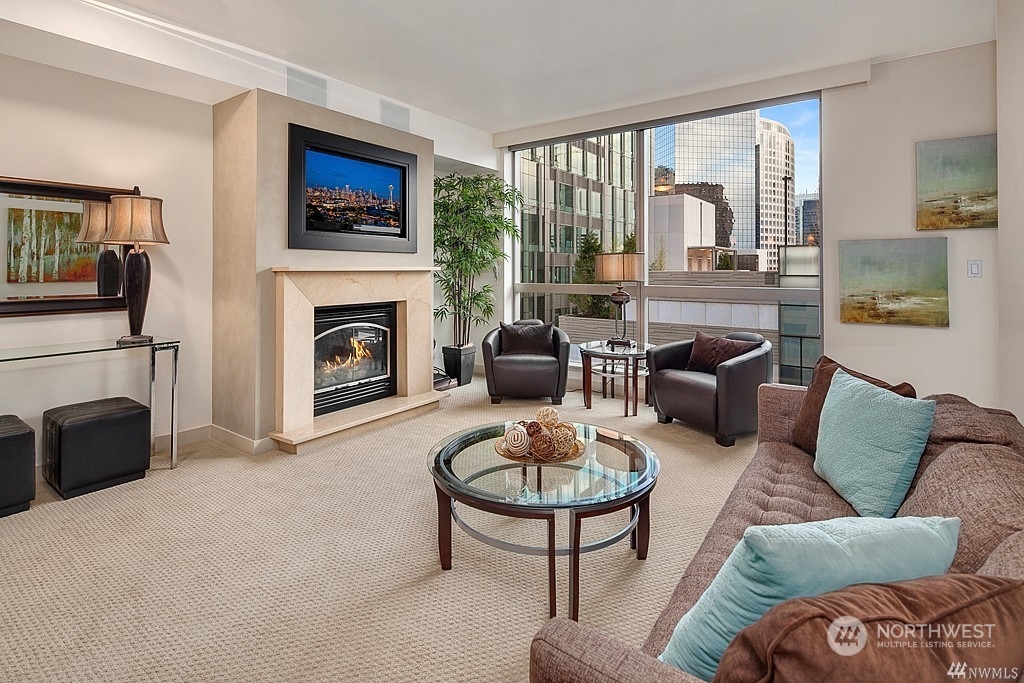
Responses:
[324,567]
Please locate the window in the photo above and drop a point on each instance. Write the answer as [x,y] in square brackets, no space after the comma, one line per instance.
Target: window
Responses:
[566,243]
[565,197]
[727,193]
[582,194]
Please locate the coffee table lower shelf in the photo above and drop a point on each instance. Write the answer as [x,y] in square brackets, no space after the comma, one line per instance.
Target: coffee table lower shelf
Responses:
[638,529]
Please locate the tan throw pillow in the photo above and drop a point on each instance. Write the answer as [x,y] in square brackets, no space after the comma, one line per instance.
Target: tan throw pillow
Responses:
[1007,559]
[805,429]
[957,419]
[709,352]
[526,339]
[907,633]
[980,484]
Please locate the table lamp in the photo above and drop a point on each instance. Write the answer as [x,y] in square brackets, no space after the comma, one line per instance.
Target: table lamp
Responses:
[136,221]
[95,217]
[619,268]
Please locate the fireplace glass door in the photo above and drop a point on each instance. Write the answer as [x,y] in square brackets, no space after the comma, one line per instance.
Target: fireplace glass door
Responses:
[353,355]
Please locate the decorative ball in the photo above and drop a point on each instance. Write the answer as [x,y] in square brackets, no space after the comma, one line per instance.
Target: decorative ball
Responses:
[533,428]
[517,441]
[563,439]
[542,445]
[570,426]
[548,416]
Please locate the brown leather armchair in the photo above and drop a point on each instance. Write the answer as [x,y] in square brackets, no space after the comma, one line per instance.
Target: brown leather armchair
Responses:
[526,375]
[724,403]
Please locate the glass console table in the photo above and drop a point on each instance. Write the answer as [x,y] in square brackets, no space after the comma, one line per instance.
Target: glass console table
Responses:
[77,348]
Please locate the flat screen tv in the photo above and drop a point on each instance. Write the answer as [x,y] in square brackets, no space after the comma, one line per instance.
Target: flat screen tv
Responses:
[348,194]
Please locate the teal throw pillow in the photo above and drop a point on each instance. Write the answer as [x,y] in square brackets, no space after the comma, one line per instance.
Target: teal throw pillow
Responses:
[870,442]
[774,563]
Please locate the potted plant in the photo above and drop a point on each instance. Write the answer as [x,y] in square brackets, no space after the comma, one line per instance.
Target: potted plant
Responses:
[470,225]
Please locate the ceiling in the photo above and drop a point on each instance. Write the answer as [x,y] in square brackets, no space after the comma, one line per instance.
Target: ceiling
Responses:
[504,64]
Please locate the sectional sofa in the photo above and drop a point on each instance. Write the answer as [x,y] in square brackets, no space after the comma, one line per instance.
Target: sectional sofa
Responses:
[971,468]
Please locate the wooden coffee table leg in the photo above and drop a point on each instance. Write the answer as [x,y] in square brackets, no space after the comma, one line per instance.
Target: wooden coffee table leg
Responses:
[587,379]
[643,528]
[625,387]
[636,382]
[574,570]
[552,600]
[444,527]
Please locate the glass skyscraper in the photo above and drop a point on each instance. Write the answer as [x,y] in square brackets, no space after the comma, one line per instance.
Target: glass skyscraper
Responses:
[745,154]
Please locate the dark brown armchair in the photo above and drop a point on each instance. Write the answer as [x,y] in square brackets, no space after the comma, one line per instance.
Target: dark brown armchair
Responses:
[526,366]
[723,402]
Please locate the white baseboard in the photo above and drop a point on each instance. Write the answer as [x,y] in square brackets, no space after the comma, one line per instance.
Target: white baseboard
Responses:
[187,436]
[242,443]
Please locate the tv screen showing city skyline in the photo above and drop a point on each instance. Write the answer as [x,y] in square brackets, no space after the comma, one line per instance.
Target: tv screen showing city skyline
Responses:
[349,194]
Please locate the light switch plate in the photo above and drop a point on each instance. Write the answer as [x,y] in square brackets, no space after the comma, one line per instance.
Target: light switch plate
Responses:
[974,268]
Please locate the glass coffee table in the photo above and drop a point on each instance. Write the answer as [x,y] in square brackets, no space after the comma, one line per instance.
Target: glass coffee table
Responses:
[614,471]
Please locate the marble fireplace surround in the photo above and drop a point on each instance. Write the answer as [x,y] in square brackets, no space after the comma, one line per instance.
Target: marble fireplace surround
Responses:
[299,290]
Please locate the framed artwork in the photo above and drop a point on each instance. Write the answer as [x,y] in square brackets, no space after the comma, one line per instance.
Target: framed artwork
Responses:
[956,183]
[894,281]
[41,245]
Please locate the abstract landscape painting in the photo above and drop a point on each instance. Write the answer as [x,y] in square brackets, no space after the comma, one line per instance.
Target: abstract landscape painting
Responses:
[895,282]
[956,183]
[41,243]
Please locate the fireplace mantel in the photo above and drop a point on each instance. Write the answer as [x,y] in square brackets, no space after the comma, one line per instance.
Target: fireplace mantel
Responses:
[299,291]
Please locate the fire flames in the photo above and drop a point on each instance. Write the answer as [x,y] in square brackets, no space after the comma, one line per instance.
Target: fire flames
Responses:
[358,353]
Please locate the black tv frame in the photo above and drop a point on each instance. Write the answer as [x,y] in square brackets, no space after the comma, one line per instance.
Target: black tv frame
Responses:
[301,138]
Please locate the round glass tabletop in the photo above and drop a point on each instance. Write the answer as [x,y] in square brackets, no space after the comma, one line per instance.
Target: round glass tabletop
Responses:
[601,349]
[612,466]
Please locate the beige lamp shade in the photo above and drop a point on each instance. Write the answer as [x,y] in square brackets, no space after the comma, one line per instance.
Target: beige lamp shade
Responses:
[136,220]
[619,267]
[94,222]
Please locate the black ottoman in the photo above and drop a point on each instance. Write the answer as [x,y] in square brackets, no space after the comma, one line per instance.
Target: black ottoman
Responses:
[92,445]
[17,465]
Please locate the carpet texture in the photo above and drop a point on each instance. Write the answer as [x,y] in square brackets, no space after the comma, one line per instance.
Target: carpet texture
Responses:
[324,566]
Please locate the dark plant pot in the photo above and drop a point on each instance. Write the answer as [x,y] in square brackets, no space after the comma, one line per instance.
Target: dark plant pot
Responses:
[459,362]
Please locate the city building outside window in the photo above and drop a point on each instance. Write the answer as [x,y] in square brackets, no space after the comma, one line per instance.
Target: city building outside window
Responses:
[719,195]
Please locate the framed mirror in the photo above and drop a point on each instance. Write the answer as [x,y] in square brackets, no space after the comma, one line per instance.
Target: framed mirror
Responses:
[45,269]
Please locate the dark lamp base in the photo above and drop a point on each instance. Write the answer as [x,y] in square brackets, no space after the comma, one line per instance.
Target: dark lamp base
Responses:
[626,343]
[134,340]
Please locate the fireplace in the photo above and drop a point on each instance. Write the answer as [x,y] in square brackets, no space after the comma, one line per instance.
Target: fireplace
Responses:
[354,355]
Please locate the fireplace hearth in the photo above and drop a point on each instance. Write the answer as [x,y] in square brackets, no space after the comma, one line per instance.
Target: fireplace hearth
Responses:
[354,355]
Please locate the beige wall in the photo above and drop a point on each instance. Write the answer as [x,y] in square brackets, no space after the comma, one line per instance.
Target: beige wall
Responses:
[254,210]
[63,126]
[1010,74]
[869,191]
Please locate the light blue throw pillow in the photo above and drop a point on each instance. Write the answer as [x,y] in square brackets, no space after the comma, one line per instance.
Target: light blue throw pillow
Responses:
[774,563]
[870,442]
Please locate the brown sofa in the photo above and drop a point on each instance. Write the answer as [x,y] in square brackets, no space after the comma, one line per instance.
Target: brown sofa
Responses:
[971,468]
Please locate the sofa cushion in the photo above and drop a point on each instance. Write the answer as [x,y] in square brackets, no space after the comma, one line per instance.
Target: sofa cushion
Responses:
[775,563]
[1007,559]
[789,643]
[526,339]
[684,392]
[957,419]
[779,486]
[709,352]
[983,484]
[805,431]
[526,374]
[869,443]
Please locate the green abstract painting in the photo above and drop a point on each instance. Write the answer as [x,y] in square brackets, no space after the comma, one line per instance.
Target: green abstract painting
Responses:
[894,282]
[956,183]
